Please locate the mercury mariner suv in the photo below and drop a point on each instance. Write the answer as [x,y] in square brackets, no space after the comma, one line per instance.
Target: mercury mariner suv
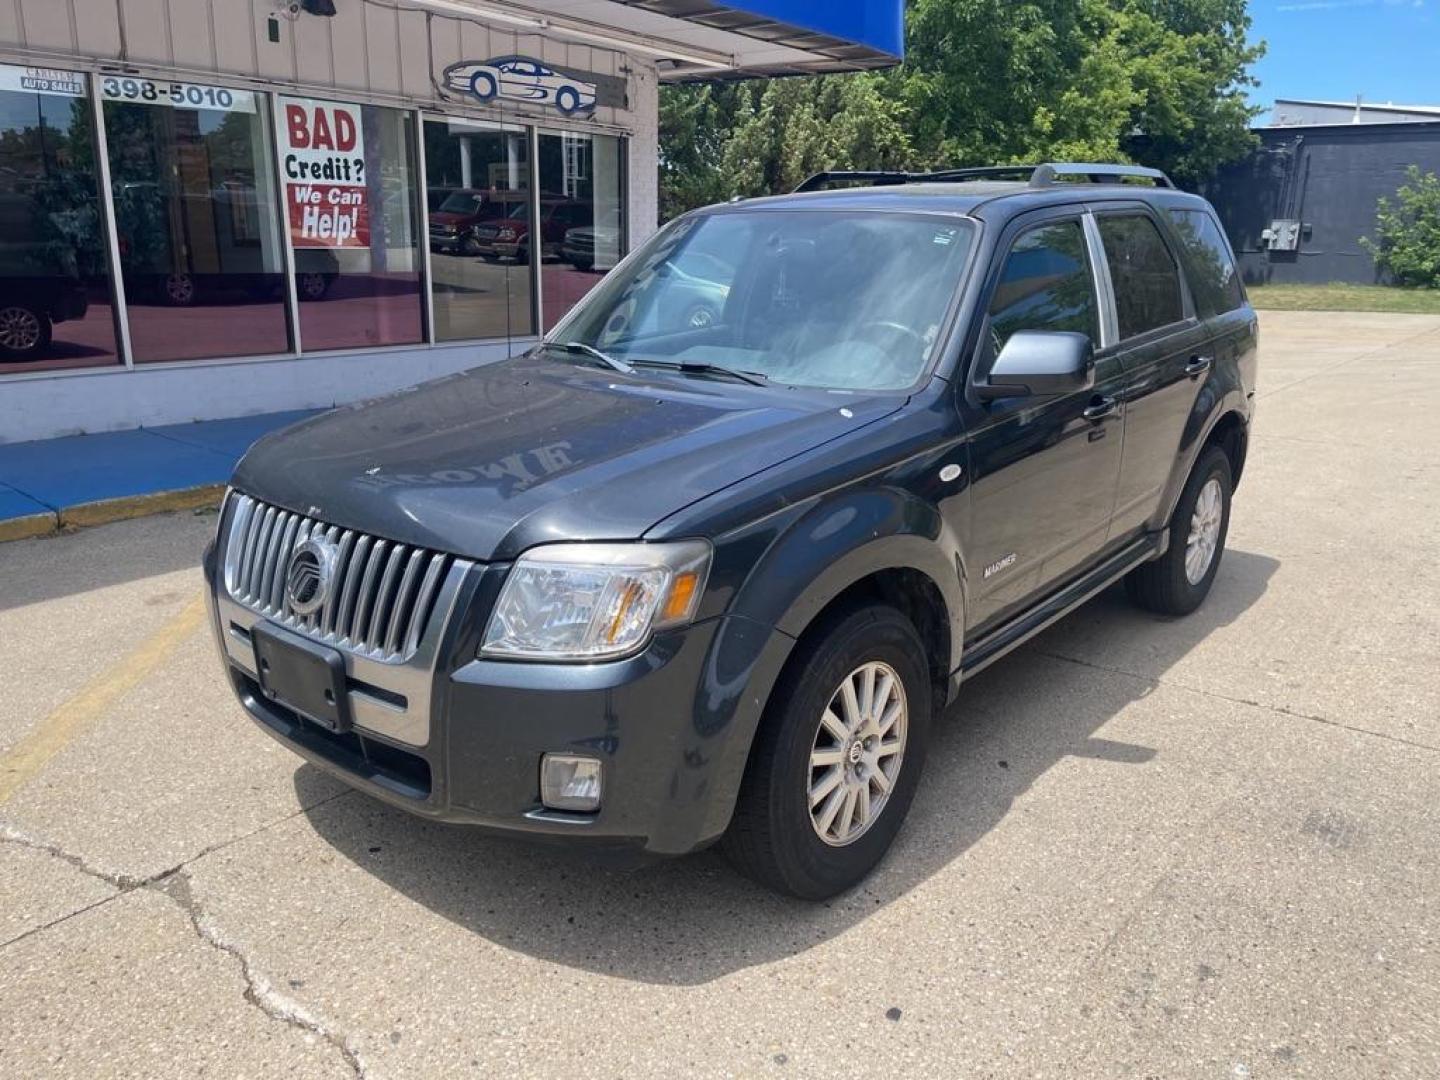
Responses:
[658,583]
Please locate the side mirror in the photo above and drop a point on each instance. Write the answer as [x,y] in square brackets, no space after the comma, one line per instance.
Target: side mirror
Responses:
[1040,363]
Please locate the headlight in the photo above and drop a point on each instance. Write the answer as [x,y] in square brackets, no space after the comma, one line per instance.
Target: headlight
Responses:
[595,601]
[505,234]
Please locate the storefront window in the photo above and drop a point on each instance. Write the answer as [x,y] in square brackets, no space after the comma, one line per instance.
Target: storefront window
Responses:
[192,185]
[582,225]
[479,223]
[55,306]
[351,204]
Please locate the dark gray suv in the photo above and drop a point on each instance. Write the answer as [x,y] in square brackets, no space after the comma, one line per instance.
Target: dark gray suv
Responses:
[659,583]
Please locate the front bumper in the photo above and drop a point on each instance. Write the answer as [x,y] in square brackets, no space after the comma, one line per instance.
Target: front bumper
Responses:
[671,737]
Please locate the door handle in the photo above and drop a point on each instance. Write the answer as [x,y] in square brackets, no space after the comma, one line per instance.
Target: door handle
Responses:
[1197,366]
[1099,408]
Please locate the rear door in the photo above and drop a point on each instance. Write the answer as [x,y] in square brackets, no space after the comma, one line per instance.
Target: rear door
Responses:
[1043,470]
[1163,347]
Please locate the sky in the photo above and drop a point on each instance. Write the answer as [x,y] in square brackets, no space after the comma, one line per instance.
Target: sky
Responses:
[1384,50]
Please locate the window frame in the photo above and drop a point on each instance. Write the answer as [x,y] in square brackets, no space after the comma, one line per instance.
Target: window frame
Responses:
[1188,314]
[1208,213]
[1018,227]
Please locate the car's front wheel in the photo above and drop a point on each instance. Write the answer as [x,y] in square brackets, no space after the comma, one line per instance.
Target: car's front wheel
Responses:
[24,332]
[1178,582]
[838,756]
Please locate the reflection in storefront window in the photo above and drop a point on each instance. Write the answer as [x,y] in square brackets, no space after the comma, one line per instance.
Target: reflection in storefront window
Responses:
[351,203]
[55,306]
[479,222]
[198,225]
[582,229]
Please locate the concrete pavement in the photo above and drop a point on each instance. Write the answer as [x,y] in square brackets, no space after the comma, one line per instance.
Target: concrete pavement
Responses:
[1143,847]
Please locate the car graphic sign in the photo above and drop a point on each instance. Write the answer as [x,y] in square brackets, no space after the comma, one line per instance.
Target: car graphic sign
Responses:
[523,80]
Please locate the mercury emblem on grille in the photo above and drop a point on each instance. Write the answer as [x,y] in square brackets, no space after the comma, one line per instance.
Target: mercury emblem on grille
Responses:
[310,575]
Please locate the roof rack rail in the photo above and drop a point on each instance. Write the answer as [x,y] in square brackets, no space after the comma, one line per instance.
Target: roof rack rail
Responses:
[822,180]
[1094,172]
[1038,176]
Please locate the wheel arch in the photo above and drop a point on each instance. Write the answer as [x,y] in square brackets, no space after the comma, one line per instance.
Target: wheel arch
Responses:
[877,544]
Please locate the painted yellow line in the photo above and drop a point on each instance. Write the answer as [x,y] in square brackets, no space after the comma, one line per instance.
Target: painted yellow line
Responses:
[20,764]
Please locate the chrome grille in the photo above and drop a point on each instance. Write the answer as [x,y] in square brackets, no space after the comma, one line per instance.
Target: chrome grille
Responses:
[382,594]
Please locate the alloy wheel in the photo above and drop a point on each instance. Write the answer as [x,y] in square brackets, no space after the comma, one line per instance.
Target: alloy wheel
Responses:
[857,753]
[20,329]
[1204,531]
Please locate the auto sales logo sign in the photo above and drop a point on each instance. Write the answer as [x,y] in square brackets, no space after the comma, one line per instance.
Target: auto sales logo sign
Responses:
[326,192]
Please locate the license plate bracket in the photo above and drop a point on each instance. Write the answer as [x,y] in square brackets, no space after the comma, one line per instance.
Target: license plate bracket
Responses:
[305,677]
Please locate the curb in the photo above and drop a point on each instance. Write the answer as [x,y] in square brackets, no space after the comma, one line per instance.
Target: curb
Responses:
[87,515]
[29,526]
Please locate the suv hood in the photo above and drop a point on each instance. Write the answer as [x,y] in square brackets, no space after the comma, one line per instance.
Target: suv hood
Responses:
[495,460]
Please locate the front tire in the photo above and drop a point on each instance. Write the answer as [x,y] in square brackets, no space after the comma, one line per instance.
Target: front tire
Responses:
[1178,582]
[838,757]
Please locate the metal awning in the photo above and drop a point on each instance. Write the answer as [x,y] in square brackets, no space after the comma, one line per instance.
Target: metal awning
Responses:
[708,39]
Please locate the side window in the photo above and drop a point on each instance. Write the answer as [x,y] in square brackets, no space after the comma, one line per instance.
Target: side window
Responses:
[1213,276]
[1143,273]
[1046,284]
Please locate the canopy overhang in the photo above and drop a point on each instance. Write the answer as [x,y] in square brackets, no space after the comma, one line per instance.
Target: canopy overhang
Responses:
[708,39]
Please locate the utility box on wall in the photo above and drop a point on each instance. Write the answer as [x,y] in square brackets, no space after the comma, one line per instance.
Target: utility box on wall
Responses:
[1282,235]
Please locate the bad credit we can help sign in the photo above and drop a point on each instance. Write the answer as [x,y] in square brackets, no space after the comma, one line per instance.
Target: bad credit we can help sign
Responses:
[326,198]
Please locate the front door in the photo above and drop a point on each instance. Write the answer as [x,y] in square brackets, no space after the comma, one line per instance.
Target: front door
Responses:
[1043,470]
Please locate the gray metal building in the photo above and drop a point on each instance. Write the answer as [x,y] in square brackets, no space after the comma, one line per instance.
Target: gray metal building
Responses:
[1297,208]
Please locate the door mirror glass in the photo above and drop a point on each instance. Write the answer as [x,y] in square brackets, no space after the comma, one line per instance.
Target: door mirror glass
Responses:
[1041,363]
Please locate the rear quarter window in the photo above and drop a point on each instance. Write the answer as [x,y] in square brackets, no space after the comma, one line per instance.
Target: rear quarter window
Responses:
[1212,269]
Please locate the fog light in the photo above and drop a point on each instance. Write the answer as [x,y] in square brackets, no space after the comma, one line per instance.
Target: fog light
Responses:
[570,783]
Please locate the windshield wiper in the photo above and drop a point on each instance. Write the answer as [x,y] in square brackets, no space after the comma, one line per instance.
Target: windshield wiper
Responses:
[688,367]
[579,348]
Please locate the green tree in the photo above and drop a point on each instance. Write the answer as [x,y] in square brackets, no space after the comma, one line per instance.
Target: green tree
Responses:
[985,81]
[1407,244]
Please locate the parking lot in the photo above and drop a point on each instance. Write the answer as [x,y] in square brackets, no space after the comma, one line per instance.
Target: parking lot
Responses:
[1203,847]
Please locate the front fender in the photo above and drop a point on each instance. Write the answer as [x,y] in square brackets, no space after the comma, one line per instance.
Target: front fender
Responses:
[840,541]
[778,575]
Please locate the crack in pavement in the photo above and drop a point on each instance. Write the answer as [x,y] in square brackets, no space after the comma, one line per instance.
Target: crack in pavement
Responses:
[1283,710]
[174,884]
[259,991]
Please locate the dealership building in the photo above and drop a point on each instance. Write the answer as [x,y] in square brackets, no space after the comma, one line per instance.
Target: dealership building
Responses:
[216,208]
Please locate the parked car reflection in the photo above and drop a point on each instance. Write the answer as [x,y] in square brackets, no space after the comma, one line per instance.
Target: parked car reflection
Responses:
[40,283]
[454,220]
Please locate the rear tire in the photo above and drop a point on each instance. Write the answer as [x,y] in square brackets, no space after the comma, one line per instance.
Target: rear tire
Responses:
[1178,582]
[25,332]
[779,835]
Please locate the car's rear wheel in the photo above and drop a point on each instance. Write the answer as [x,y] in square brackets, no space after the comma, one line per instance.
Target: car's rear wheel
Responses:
[178,290]
[312,285]
[1178,582]
[567,100]
[838,756]
[24,332]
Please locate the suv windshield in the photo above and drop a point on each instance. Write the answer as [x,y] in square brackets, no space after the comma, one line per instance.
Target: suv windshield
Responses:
[840,300]
[462,202]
